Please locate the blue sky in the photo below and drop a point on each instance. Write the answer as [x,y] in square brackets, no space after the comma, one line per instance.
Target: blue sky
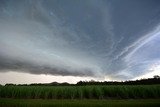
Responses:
[107,39]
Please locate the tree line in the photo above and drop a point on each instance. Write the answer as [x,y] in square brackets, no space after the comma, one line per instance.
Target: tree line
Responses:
[149,81]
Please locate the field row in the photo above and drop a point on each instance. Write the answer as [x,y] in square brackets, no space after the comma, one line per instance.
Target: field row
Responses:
[78,103]
[81,92]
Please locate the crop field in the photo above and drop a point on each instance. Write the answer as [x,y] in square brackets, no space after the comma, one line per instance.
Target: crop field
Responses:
[81,92]
[80,96]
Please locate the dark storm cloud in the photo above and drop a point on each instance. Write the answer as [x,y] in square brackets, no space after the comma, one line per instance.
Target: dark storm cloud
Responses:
[20,66]
[118,39]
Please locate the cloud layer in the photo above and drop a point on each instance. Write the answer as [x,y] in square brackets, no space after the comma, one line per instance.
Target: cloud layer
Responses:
[96,38]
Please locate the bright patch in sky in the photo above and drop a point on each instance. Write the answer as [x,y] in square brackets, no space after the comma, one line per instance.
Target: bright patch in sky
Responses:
[154,70]
[23,78]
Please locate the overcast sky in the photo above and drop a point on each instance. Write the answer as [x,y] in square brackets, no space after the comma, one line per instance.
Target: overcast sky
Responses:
[78,39]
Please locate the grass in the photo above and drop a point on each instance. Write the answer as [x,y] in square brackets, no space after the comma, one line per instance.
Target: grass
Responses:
[80,96]
[78,103]
[81,92]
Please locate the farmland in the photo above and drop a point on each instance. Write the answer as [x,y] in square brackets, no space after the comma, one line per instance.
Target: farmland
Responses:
[78,103]
[78,96]
[81,92]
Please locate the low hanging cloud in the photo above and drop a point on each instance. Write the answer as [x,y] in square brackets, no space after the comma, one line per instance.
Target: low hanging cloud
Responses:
[22,49]
[75,38]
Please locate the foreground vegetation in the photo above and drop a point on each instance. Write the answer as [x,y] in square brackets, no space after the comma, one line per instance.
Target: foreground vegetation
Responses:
[143,93]
[78,103]
[81,92]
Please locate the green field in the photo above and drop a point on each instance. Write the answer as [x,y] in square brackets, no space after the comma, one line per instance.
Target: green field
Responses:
[78,103]
[80,96]
[81,92]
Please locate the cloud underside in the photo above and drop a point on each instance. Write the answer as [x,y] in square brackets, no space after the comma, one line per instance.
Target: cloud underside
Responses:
[89,38]
[36,69]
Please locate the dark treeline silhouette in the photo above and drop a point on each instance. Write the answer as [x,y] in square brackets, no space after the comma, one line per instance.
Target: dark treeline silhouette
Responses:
[149,81]
[41,84]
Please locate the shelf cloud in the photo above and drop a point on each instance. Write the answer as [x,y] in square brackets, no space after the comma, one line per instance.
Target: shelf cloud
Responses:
[94,38]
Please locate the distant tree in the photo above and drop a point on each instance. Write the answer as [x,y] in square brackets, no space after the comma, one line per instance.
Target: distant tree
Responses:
[156,76]
[80,83]
[10,84]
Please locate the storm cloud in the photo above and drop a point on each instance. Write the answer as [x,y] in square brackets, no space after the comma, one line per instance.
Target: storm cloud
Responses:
[96,38]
